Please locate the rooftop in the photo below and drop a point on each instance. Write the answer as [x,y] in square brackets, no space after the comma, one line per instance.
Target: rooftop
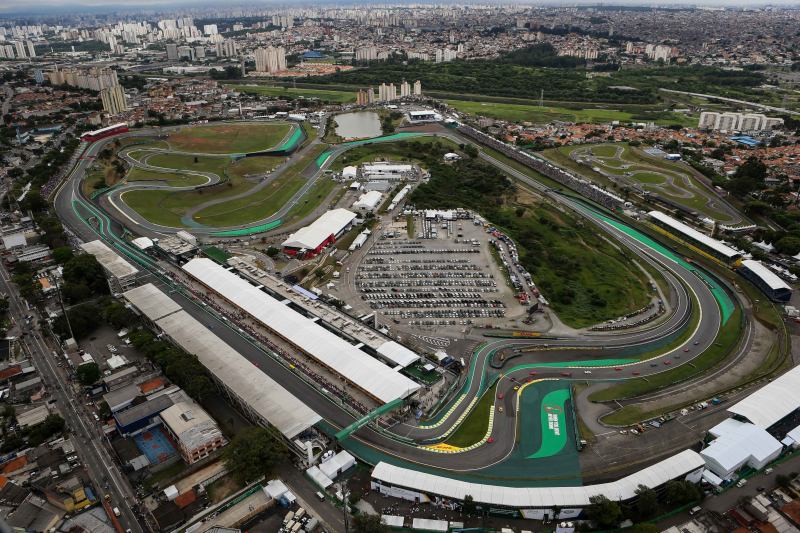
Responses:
[109,259]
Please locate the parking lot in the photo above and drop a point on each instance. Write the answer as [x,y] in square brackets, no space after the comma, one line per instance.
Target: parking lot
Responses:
[444,276]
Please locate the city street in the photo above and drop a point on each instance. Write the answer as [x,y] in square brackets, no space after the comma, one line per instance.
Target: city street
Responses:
[88,436]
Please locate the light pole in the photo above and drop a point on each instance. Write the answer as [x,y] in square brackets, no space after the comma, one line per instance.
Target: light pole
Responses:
[345,502]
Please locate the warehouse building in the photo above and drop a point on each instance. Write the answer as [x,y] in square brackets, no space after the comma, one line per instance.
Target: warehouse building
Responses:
[694,239]
[766,280]
[121,275]
[309,241]
[361,370]
[193,430]
[258,396]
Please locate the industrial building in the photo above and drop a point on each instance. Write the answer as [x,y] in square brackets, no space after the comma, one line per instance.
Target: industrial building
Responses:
[309,241]
[360,369]
[121,275]
[418,117]
[694,239]
[193,430]
[766,280]
[260,397]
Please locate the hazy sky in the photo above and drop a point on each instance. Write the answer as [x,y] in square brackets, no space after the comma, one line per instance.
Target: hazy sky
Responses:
[42,6]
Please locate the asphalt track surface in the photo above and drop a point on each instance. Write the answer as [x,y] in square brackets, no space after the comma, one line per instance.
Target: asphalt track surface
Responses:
[689,293]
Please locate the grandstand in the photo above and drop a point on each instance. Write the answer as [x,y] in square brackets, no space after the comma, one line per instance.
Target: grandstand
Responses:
[770,284]
[696,240]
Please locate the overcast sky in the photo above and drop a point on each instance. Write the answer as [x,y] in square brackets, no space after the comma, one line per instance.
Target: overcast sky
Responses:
[42,6]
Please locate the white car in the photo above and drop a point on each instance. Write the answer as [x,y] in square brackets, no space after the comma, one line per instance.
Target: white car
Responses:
[587,371]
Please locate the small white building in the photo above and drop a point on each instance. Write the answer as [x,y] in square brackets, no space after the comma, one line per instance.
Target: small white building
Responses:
[349,173]
[388,172]
[738,444]
[368,202]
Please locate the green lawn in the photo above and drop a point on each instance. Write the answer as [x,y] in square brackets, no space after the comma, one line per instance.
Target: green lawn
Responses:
[159,207]
[228,138]
[173,179]
[310,200]
[394,151]
[546,114]
[474,427]
[342,97]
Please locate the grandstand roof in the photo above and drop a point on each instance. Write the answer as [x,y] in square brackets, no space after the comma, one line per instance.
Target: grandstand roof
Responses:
[311,236]
[680,227]
[265,396]
[671,468]
[767,276]
[772,402]
[151,302]
[358,367]
[397,353]
[737,445]
[109,259]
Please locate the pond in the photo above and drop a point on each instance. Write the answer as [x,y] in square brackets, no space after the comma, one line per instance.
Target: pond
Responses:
[358,125]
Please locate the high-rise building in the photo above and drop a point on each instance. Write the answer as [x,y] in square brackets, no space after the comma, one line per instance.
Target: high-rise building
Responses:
[38,75]
[708,120]
[31,48]
[114,101]
[367,53]
[210,29]
[270,59]
[752,122]
[417,88]
[199,52]
[20,49]
[728,122]
[226,48]
[405,89]
[172,51]
[186,52]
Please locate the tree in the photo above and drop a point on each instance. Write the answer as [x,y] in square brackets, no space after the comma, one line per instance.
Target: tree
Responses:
[254,452]
[62,254]
[643,528]
[273,252]
[88,373]
[749,177]
[369,523]
[85,270]
[789,245]
[603,511]
[646,503]
[468,507]
[679,492]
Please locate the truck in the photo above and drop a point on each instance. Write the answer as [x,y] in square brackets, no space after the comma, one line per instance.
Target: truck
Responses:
[116,511]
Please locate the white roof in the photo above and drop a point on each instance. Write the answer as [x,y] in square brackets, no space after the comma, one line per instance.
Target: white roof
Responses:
[358,367]
[794,434]
[739,446]
[727,426]
[392,520]
[385,168]
[692,233]
[275,489]
[429,524]
[767,276]
[13,240]
[191,424]
[337,464]
[311,236]
[368,200]
[151,302]
[143,243]
[254,388]
[771,402]
[349,172]
[318,477]
[674,467]
[397,353]
[108,258]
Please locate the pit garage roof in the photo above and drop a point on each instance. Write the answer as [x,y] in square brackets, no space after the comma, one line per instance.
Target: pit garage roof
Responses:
[772,402]
[267,398]
[767,276]
[109,259]
[358,367]
[674,467]
[397,353]
[680,227]
[330,223]
[738,445]
[151,301]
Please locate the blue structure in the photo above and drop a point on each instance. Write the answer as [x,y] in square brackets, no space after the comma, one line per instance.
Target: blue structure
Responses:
[155,445]
[746,140]
[313,54]
[133,420]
